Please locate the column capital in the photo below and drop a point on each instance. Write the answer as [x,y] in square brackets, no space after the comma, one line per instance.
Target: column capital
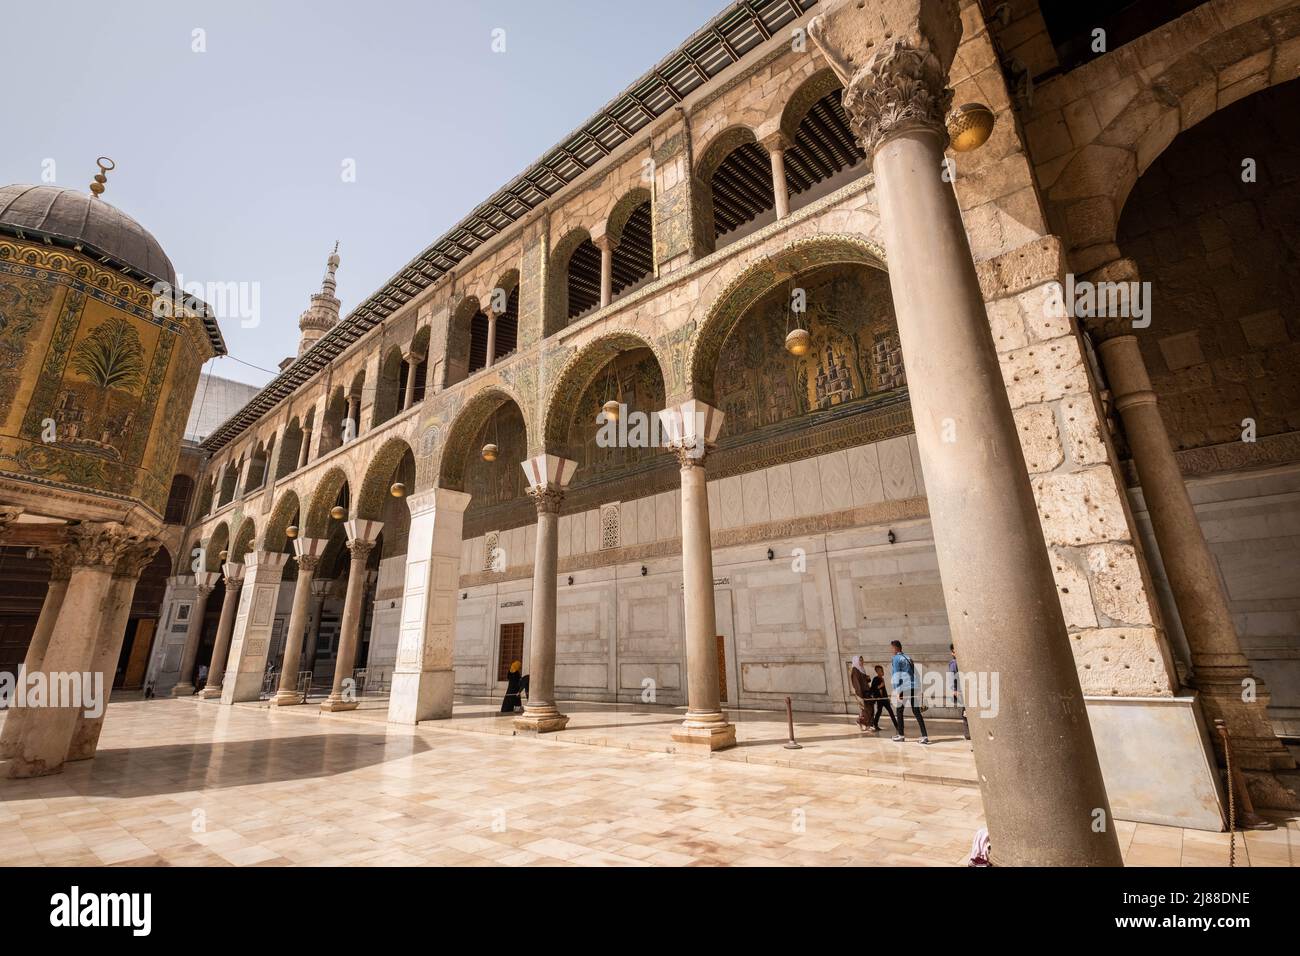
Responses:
[266,560]
[234,571]
[435,499]
[549,472]
[775,142]
[205,581]
[100,545]
[1105,327]
[136,556]
[306,549]
[690,430]
[360,530]
[893,60]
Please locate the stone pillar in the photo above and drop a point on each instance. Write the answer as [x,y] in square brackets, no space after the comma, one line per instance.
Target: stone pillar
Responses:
[250,642]
[319,589]
[354,413]
[234,572]
[54,594]
[423,680]
[305,451]
[309,551]
[1220,670]
[492,337]
[690,429]
[606,245]
[1039,775]
[548,476]
[204,581]
[361,541]
[91,553]
[408,399]
[776,145]
[115,615]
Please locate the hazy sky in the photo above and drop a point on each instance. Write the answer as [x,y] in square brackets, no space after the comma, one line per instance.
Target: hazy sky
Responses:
[233,157]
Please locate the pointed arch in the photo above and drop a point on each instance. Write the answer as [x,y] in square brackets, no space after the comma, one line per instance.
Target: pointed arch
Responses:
[286,512]
[332,487]
[379,478]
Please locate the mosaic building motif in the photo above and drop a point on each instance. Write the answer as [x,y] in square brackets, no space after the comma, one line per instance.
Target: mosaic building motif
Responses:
[854,355]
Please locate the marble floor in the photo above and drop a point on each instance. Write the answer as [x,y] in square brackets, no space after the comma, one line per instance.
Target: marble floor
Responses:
[183,782]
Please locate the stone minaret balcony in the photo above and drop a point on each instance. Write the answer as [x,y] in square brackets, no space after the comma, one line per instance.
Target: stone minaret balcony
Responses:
[323,312]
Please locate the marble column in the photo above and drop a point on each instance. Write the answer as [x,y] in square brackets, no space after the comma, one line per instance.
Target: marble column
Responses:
[319,590]
[606,245]
[690,429]
[92,552]
[423,678]
[408,399]
[309,551]
[234,574]
[491,358]
[115,615]
[54,594]
[250,642]
[1220,670]
[305,450]
[204,582]
[776,145]
[361,541]
[1043,794]
[354,414]
[548,476]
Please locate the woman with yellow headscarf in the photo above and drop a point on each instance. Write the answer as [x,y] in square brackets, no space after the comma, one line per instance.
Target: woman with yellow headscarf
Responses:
[516,683]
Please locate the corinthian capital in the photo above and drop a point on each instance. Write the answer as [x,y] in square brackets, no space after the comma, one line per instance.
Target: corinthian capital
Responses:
[102,545]
[892,57]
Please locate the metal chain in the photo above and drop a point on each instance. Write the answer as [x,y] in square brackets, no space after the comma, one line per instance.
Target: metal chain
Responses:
[1232,798]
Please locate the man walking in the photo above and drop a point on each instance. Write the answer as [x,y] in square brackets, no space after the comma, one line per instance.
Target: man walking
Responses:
[904,682]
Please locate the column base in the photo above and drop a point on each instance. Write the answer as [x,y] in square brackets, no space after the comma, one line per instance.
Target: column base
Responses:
[332,704]
[287,698]
[183,690]
[704,733]
[17,768]
[421,695]
[210,692]
[542,719]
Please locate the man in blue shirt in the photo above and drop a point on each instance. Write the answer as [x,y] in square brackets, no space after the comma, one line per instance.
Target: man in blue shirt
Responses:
[904,683]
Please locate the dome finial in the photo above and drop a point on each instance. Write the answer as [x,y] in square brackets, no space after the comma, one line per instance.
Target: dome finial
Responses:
[106,166]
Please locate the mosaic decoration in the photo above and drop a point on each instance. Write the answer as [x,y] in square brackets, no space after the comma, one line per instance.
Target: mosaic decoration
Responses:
[634,381]
[855,355]
[86,373]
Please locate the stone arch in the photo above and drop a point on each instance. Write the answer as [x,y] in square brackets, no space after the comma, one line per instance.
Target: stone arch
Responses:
[811,90]
[579,372]
[557,293]
[419,355]
[244,540]
[711,159]
[286,512]
[1085,201]
[218,541]
[316,522]
[507,282]
[378,479]
[457,447]
[753,283]
[205,497]
[290,449]
[388,387]
[460,341]
[623,209]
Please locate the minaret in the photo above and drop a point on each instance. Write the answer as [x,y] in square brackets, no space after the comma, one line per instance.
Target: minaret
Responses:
[324,309]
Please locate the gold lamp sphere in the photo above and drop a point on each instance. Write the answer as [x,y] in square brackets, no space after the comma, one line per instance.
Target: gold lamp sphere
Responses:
[291,531]
[798,342]
[969,126]
[489,452]
[397,489]
[338,513]
[224,555]
[611,410]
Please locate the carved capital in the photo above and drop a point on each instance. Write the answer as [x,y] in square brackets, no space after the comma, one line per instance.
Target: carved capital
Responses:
[547,499]
[95,545]
[689,456]
[309,562]
[360,548]
[136,556]
[893,59]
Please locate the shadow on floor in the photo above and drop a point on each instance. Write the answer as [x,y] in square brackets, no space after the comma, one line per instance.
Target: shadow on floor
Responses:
[201,765]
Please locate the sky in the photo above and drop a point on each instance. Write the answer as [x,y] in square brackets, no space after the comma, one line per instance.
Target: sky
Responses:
[234,156]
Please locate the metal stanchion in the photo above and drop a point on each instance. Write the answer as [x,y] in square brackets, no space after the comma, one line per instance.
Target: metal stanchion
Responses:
[789,719]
